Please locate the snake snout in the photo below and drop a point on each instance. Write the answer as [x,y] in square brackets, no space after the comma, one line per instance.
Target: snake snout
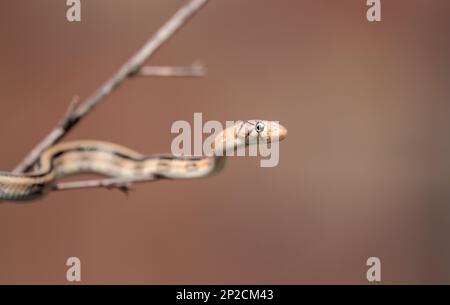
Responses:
[282,133]
[278,133]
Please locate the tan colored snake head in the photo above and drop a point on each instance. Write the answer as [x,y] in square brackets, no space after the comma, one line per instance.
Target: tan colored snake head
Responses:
[263,131]
[245,133]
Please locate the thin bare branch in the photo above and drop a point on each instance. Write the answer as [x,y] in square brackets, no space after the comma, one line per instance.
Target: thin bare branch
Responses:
[195,70]
[70,110]
[130,68]
[123,184]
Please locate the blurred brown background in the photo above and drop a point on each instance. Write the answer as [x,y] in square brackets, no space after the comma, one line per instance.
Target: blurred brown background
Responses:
[365,170]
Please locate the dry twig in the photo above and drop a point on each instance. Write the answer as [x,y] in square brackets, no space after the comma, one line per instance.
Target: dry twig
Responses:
[122,184]
[195,70]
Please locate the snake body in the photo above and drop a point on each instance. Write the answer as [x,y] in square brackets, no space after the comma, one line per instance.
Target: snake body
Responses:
[108,159]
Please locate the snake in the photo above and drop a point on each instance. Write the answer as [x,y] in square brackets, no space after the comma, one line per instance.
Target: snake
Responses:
[114,160]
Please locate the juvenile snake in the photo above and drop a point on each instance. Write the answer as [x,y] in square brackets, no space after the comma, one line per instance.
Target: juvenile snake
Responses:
[113,160]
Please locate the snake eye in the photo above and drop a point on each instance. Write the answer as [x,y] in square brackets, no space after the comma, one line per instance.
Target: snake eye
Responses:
[259,127]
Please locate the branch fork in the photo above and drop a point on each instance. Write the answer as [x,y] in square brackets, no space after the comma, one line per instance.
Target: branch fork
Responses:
[133,67]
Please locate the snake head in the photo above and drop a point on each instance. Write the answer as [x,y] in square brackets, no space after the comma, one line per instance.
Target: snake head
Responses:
[245,133]
[256,131]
